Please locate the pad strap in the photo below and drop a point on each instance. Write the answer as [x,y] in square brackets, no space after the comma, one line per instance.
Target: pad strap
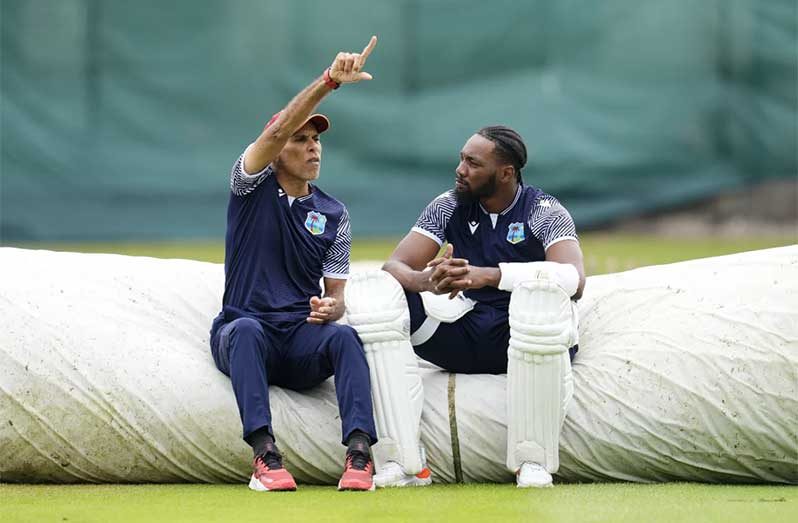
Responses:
[425,331]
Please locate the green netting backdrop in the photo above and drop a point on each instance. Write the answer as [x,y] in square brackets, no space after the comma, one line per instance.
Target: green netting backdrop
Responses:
[120,119]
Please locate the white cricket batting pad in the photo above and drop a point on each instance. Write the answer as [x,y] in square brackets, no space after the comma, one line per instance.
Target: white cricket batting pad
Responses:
[686,372]
[539,383]
[376,307]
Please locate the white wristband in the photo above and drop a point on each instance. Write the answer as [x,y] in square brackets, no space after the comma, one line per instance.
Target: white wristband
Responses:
[563,274]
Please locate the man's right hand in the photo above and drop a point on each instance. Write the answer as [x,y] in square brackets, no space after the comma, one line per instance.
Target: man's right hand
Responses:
[448,275]
[453,275]
[347,68]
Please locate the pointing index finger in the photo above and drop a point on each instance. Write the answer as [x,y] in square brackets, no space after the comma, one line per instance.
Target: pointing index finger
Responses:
[367,50]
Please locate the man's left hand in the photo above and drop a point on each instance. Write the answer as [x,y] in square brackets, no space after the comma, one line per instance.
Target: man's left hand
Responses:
[322,310]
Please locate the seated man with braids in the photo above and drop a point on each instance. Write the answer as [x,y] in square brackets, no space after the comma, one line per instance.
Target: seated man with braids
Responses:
[499,298]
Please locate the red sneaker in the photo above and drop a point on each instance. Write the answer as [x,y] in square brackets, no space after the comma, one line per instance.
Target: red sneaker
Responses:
[358,471]
[265,478]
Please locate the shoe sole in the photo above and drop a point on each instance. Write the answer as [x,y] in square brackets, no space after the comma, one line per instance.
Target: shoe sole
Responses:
[421,479]
[257,486]
[416,482]
[353,488]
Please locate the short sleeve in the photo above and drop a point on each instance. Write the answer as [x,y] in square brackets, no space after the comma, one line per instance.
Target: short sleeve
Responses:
[243,183]
[435,217]
[550,222]
[336,259]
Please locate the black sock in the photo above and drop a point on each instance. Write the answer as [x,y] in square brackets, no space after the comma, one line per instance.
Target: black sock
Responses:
[358,452]
[358,440]
[261,441]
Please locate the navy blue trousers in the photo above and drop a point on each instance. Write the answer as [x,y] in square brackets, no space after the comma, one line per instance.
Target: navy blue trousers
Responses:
[475,344]
[294,355]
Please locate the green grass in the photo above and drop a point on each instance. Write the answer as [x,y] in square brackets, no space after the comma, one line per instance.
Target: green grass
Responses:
[565,503]
[603,252]
[611,253]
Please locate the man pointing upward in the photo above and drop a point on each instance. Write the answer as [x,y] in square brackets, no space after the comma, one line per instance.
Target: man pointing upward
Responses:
[284,235]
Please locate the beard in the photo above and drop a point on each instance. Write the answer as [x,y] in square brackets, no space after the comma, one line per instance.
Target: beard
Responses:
[472,195]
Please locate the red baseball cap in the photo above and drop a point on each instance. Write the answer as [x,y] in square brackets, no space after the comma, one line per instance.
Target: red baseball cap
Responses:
[321,122]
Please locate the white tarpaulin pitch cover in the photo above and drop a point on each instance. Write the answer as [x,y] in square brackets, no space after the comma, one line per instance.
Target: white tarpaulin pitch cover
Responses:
[686,372]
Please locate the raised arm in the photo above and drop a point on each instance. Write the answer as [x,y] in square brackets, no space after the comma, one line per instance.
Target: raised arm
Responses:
[346,68]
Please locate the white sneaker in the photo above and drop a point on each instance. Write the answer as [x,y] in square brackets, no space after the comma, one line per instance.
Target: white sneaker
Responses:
[532,475]
[393,475]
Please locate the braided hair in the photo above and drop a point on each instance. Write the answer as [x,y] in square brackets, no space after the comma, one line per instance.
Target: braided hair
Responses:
[509,148]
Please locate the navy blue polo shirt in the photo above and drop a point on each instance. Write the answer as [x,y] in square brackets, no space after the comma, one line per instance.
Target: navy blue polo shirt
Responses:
[522,232]
[277,248]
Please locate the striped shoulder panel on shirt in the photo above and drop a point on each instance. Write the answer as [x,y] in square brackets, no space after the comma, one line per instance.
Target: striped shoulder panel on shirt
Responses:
[550,222]
[241,183]
[336,259]
[435,217]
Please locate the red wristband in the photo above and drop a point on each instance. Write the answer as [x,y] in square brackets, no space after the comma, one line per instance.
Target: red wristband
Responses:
[329,82]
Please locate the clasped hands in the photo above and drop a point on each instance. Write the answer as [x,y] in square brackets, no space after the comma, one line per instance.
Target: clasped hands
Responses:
[447,275]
